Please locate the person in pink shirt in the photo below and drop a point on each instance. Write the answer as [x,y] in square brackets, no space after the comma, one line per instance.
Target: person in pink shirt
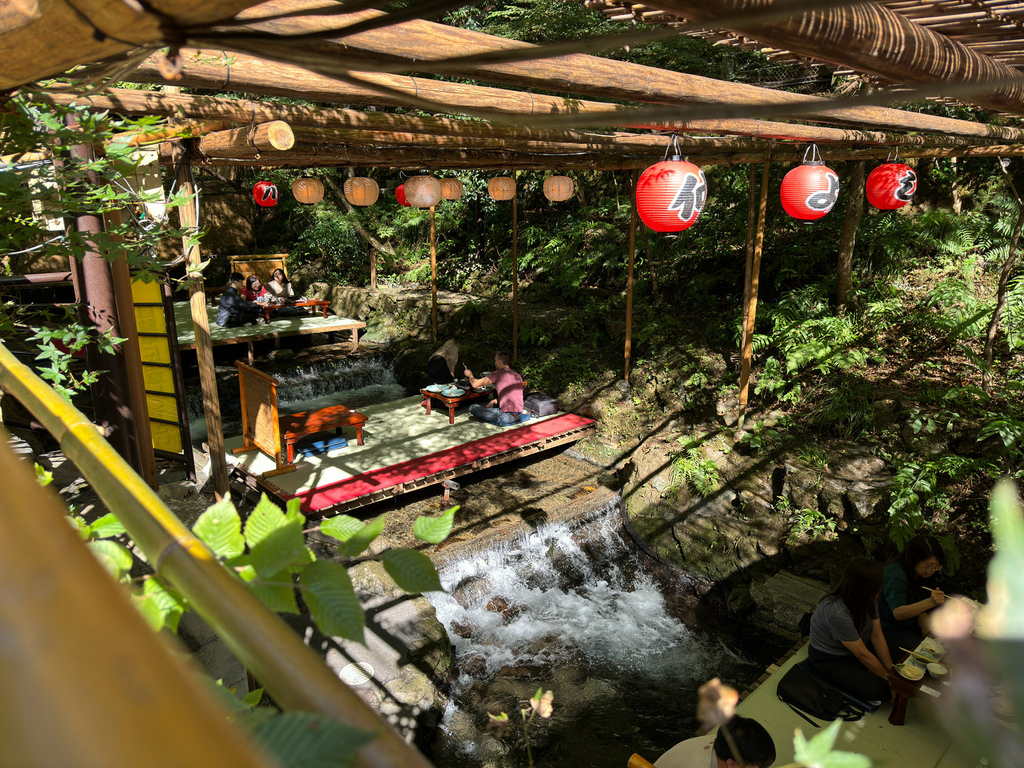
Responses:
[507,406]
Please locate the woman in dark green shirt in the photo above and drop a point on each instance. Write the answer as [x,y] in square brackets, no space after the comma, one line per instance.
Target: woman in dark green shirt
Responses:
[904,605]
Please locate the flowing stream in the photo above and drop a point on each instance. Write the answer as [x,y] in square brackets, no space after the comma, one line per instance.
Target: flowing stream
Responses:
[571,609]
[358,383]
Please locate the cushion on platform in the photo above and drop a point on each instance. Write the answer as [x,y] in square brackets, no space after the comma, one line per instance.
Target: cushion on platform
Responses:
[314,445]
[808,667]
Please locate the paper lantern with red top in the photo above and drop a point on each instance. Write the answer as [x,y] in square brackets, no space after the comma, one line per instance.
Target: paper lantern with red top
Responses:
[891,185]
[265,194]
[670,195]
[811,189]
[400,195]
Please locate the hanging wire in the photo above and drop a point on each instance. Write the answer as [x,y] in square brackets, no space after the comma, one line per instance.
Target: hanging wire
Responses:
[814,153]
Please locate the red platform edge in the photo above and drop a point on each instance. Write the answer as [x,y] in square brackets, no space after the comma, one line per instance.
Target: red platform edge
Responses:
[386,477]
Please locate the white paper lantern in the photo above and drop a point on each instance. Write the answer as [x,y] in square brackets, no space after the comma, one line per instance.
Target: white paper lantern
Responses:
[423,191]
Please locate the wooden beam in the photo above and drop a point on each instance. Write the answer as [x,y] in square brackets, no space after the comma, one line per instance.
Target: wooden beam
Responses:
[177,130]
[44,38]
[267,78]
[898,49]
[418,44]
[515,271]
[275,136]
[433,276]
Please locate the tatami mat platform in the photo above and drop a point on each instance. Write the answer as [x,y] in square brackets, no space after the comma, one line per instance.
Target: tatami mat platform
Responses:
[291,325]
[404,448]
[922,742]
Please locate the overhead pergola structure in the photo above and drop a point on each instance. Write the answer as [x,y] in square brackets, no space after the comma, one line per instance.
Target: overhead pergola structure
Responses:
[594,114]
[587,112]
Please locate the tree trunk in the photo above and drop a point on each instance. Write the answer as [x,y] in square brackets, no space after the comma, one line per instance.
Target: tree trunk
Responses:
[382,248]
[848,238]
[1004,279]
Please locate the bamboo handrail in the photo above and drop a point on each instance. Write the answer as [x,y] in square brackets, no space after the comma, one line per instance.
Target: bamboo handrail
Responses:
[75,691]
[296,677]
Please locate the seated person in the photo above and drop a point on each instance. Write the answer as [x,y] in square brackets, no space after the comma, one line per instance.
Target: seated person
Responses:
[755,745]
[904,605]
[441,365]
[280,286]
[508,387]
[843,624]
[234,310]
[253,289]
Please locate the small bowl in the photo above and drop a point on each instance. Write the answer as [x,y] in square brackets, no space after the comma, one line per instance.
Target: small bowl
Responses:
[937,670]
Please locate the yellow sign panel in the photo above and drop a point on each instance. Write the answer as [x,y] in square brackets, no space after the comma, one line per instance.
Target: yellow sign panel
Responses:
[166,437]
[150,319]
[158,379]
[154,349]
[147,293]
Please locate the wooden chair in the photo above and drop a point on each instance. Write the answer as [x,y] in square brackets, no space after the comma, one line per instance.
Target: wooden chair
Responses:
[638,762]
[265,430]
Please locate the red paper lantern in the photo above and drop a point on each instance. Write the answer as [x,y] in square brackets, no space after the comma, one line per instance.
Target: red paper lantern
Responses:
[891,185]
[265,194]
[400,195]
[670,195]
[811,189]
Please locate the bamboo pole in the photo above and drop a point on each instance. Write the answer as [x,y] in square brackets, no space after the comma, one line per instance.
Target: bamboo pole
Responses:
[44,39]
[418,44]
[86,680]
[294,675]
[901,51]
[751,227]
[750,311]
[433,275]
[267,77]
[629,277]
[373,266]
[201,324]
[515,272]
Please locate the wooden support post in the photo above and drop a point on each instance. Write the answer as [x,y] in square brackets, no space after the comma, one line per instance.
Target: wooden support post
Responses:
[433,274]
[848,237]
[373,267]
[201,324]
[750,310]
[515,277]
[133,368]
[751,226]
[629,279]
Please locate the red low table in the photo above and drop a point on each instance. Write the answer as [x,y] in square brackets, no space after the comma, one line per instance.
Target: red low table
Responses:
[269,308]
[453,402]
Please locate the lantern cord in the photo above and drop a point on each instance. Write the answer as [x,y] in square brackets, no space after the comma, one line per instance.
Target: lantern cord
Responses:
[815,154]
[893,157]
[673,145]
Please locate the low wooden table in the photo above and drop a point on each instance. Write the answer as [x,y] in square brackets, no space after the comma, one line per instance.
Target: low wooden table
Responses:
[905,690]
[454,402]
[269,307]
[298,425]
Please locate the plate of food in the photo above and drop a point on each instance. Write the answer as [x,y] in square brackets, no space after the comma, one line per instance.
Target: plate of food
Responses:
[931,646]
[435,388]
[453,392]
[910,671]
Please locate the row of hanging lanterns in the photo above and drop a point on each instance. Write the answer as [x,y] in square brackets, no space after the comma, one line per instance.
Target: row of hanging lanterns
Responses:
[418,191]
[670,195]
[306,190]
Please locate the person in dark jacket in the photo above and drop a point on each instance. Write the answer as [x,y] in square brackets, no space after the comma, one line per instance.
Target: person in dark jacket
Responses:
[441,365]
[233,309]
[904,604]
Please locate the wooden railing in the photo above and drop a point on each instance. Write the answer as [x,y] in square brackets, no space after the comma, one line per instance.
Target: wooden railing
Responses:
[295,676]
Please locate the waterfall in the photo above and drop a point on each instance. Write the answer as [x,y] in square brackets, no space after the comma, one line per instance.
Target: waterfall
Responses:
[571,608]
[360,382]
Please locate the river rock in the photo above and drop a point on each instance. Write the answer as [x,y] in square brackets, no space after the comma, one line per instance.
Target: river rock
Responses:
[782,599]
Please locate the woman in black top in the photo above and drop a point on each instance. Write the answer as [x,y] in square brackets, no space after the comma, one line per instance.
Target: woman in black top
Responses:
[441,366]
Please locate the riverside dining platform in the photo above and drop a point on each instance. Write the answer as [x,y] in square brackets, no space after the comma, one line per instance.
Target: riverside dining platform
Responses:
[404,449]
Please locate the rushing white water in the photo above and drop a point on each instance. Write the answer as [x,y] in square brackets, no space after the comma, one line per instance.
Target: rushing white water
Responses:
[362,381]
[572,609]
[564,595]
